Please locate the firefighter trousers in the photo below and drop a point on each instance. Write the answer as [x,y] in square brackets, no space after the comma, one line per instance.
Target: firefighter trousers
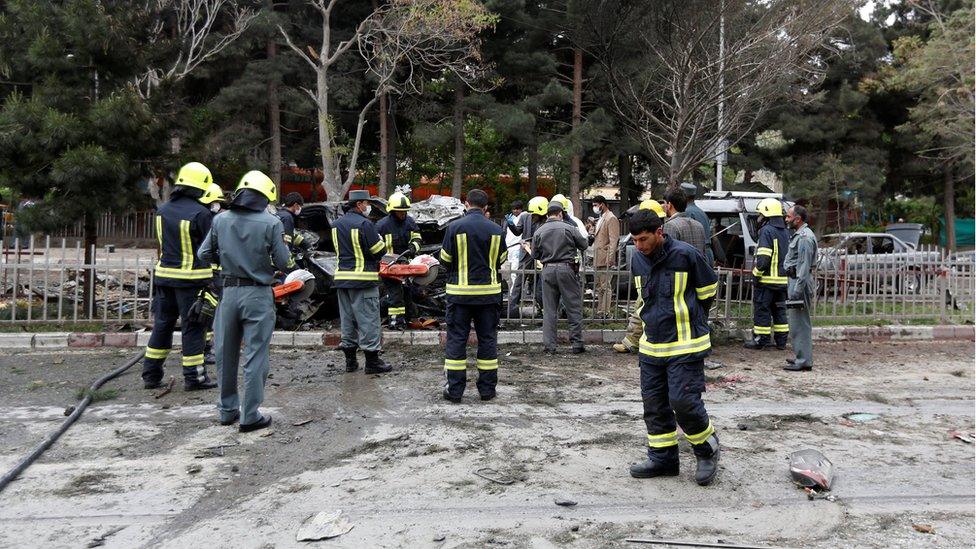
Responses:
[673,392]
[768,318]
[399,302]
[169,305]
[458,319]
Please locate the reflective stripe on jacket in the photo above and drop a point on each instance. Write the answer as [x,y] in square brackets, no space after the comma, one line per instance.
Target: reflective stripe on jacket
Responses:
[473,251]
[774,239]
[181,225]
[398,235]
[359,249]
[676,287]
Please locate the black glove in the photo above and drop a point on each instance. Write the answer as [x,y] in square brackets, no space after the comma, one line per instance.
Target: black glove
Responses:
[409,253]
[195,314]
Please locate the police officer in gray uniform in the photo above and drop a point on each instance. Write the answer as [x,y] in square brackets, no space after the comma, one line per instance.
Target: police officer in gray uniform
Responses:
[249,244]
[555,244]
[801,256]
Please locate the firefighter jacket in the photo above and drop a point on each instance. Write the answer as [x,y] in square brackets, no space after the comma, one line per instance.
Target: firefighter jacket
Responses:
[358,249]
[294,241]
[181,225]
[473,252]
[774,240]
[399,235]
[676,286]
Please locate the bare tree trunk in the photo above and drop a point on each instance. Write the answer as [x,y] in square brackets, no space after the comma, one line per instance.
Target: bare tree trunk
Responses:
[949,199]
[534,165]
[629,194]
[331,180]
[574,161]
[384,185]
[746,177]
[91,240]
[391,143]
[274,112]
[458,141]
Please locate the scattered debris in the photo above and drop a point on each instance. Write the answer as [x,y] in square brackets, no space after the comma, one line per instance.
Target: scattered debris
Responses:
[565,502]
[168,389]
[693,543]
[861,417]
[742,427]
[813,494]
[713,365]
[194,469]
[440,537]
[924,528]
[69,410]
[965,437]
[100,540]
[356,478]
[303,422]
[809,468]
[493,475]
[266,434]
[323,525]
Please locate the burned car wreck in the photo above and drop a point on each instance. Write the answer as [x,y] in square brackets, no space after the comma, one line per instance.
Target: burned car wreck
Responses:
[314,300]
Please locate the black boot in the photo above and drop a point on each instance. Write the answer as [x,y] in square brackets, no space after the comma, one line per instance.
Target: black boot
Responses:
[196,384]
[707,455]
[755,344]
[375,364]
[351,363]
[650,469]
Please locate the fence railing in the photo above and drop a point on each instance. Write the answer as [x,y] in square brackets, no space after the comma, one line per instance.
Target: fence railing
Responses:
[112,226]
[46,280]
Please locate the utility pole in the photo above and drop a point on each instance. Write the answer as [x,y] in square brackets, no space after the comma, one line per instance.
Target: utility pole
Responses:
[574,160]
[720,152]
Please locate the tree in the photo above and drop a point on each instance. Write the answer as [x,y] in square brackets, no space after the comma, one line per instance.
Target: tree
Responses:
[398,41]
[669,79]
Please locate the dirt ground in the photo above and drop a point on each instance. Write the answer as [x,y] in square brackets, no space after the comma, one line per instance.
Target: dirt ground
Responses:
[400,463]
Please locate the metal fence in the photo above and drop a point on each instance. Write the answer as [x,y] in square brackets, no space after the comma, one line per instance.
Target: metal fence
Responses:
[112,226]
[45,280]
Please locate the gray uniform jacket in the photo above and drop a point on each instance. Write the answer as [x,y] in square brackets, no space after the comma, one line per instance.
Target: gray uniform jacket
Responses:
[557,242]
[683,227]
[802,255]
[246,244]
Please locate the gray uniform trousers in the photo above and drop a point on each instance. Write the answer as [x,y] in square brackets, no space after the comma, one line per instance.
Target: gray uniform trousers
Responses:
[561,284]
[801,329]
[359,315]
[245,313]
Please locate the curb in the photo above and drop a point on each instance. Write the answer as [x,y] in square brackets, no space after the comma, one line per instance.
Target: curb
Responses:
[62,340]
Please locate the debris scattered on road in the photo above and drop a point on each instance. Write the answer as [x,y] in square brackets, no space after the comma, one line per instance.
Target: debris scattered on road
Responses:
[924,528]
[713,365]
[266,434]
[861,417]
[565,502]
[813,494]
[355,478]
[324,525]
[303,422]
[100,540]
[194,469]
[493,475]
[440,538]
[965,437]
[69,410]
[693,543]
[168,389]
[809,468]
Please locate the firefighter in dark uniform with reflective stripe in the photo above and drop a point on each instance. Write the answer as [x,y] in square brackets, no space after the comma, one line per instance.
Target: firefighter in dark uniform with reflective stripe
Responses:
[359,248]
[178,278]
[401,235]
[768,318]
[213,199]
[473,252]
[677,286]
[287,213]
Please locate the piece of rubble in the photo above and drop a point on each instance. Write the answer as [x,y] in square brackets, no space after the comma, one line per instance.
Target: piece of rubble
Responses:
[861,417]
[967,438]
[323,525]
[924,528]
[565,502]
[809,468]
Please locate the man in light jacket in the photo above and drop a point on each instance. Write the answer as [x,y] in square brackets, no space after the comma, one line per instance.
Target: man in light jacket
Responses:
[605,239]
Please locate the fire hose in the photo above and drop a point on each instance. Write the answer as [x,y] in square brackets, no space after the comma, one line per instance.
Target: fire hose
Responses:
[53,437]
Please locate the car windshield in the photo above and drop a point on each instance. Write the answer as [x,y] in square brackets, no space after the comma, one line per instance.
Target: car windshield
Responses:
[832,240]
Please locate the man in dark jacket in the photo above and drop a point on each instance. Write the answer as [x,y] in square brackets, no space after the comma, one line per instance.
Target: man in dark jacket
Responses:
[677,288]
[359,249]
[769,293]
[401,236]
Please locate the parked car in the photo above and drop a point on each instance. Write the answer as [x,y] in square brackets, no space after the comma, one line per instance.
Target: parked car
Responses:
[879,261]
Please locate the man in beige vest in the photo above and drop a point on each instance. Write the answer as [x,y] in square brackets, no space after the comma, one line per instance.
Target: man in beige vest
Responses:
[605,239]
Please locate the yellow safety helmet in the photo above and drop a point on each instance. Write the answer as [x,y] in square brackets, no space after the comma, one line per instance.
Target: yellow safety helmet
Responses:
[398,202]
[770,207]
[194,175]
[654,206]
[214,194]
[257,181]
[561,198]
[538,205]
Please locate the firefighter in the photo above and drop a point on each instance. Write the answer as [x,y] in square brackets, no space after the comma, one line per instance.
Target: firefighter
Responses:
[537,208]
[401,235]
[473,252]
[769,294]
[677,287]
[359,249]
[248,243]
[209,296]
[635,328]
[289,211]
[179,278]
